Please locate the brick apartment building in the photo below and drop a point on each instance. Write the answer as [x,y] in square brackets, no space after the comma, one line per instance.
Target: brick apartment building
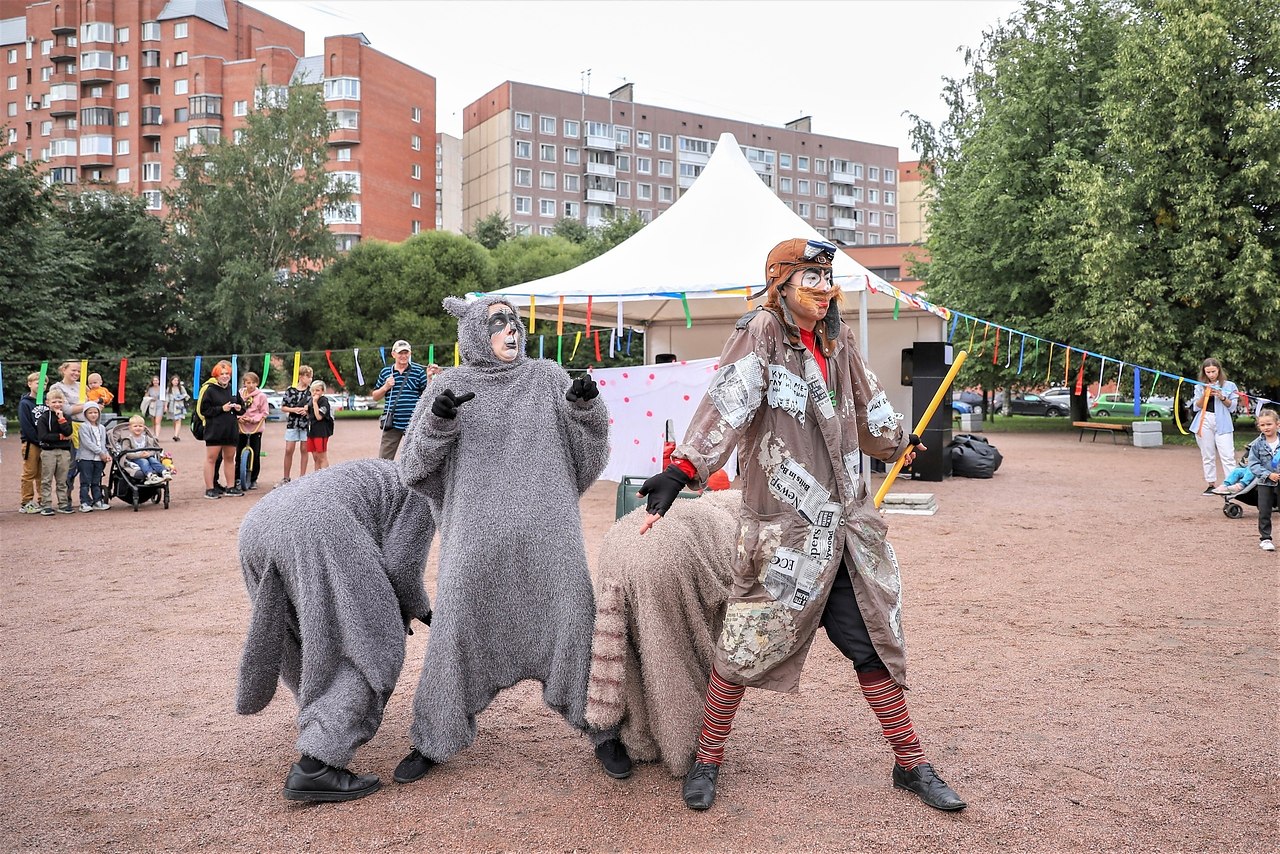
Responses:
[105,93]
[536,155]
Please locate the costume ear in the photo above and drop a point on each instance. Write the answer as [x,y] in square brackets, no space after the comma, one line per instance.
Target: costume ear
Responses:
[455,306]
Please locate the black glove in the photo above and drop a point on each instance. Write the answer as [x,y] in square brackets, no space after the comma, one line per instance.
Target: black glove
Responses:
[583,388]
[913,439]
[446,403]
[663,488]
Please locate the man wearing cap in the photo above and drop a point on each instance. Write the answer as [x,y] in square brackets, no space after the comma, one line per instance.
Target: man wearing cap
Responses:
[402,384]
[794,397]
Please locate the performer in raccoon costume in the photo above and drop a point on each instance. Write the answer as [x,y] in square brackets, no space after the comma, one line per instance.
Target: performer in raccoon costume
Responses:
[503,453]
[330,612]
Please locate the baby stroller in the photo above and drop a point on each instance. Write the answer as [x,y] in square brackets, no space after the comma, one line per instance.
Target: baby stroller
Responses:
[126,480]
[1231,503]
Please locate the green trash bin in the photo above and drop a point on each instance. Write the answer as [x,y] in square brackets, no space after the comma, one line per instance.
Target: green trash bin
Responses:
[628,500]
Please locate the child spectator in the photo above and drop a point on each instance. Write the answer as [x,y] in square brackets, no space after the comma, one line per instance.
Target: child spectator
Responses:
[145,458]
[1239,478]
[92,457]
[53,430]
[97,392]
[1264,462]
[294,405]
[251,421]
[30,447]
[319,425]
[176,404]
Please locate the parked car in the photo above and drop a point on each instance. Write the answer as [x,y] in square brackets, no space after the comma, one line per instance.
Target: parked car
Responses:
[959,407]
[1122,404]
[1022,403]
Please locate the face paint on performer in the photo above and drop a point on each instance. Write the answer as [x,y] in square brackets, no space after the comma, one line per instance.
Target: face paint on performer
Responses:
[808,294]
[504,332]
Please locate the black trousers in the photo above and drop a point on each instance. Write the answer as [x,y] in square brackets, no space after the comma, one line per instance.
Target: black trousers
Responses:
[1266,503]
[845,626]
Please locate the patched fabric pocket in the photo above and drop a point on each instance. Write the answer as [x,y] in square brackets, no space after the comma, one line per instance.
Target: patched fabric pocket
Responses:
[756,635]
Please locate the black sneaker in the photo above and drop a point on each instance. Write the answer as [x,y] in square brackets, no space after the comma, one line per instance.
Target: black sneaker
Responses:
[1208,490]
[700,785]
[328,784]
[47,511]
[234,492]
[613,756]
[66,508]
[212,493]
[413,767]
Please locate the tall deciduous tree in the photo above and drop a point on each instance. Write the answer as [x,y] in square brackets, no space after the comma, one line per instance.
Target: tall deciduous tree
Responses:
[248,223]
[491,231]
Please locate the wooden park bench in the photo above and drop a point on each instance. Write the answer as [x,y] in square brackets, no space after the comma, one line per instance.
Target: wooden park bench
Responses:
[1097,427]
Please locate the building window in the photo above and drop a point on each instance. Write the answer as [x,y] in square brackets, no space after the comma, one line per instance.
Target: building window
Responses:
[97,32]
[665,194]
[150,31]
[546,207]
[820,212]
[344,155]
[644,192]
[523,229]
[345,119]
[122,35]
[204,135]
[890,197]
[524,205]
[346,213]
[572,157]
[644,165]
[623,162]
[873,173]
[13,55]
[239,108]
[180,30]
[857,194]
[524,177]
[857,171]
[122,90]
[547,125]
[180,87]
[180,58]
[524,149]
[547,180]
[572,210]
[547,153]
[803,209]
[890,238]
[890,220]
[624,189]
[784,161]
[13,111]
[122,175]
[415,227]
[180,114]
[415,172]
[572,183]
[415,142]
[873,197]
[820,166]
[623,136]
[571,130]
[820,189]
[122,146]
[46,128]
[153,199]
[664,169]
[664,142]
[873,239]
[644,139]
[802,187]
[802,163]
[873,218]
[46,74]
[415,199]
[524,121]
[890,177]
[784,184]
[46,47]
[12,82]
[101,59]
[342,89]
[415,114]
[122,119]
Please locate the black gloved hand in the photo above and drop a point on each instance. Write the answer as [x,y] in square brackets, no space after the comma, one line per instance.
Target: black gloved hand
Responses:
[583,388]
[446,403]
[913,439]
[663,488]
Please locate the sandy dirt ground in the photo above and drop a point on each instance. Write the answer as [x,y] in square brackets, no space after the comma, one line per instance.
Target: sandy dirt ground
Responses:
[1092,652]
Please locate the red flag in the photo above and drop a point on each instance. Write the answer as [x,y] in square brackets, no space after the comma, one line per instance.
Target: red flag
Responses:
[124,366]
[589,317]
[337,376]
[597,339]
[1080,376]
[995,354]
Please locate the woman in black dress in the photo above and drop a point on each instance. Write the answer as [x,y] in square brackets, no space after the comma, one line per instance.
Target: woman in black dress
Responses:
[218,405]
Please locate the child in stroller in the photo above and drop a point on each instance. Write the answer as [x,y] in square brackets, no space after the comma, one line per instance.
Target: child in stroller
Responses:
[1260,462]
[140,469]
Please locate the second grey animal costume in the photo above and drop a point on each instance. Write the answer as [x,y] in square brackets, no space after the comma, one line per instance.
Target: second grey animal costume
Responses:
[513,596]
[333,564]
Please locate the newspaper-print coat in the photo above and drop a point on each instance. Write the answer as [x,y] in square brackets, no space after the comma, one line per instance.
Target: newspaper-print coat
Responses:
[805,507]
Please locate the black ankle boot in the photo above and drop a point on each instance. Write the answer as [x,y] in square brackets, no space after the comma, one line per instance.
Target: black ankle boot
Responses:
[613,756]
[700,785]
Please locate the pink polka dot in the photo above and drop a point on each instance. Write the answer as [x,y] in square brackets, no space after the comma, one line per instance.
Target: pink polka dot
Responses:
[653,459]
[624,375]
[716,366]
[603,382]
[637,441]
[626,400]
[686,397]
[610,420]
[683,362]
[652,376]
[648,413]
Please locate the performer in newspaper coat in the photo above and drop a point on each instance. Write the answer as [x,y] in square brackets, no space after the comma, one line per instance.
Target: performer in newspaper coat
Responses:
[794,397]
[504,452]
[333,564]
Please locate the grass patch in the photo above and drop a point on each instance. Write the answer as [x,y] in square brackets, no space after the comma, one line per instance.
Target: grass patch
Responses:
[1042,424]
[357,414]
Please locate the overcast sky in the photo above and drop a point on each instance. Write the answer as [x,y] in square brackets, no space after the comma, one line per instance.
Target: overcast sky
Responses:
[854,65]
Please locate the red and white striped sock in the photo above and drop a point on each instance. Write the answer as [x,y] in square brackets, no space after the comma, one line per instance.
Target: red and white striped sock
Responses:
[890,706]
[717,718]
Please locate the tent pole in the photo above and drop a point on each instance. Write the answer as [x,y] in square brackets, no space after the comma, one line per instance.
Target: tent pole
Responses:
[866,358]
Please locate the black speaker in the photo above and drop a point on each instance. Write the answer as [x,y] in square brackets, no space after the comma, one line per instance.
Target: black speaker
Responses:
[930,361]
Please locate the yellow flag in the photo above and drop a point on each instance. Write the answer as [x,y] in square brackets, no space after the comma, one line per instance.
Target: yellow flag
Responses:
[297,363]
[533,314]
[84,378]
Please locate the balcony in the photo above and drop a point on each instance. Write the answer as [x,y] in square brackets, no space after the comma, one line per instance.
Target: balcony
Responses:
[846,199]
[150,65]
[64,108]
[63,75]
[604,197]
[63,52]
[601,143]
[345,136]
[93,160]
[608,170]
[844,222]
[844,235]
[97,75]
[686,181]
[64,29]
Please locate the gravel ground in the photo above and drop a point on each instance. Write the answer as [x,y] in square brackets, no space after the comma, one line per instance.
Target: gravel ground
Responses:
[1093,658]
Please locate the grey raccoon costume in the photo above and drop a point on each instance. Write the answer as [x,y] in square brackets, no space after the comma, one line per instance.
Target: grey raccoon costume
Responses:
[330,612]
[513,598]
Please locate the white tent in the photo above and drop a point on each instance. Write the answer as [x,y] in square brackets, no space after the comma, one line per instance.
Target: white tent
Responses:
[706,252]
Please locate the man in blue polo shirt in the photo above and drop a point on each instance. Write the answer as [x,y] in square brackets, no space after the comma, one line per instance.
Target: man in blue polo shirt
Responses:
[402,384]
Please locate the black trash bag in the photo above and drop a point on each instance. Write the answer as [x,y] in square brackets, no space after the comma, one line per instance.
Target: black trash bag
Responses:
[973,456]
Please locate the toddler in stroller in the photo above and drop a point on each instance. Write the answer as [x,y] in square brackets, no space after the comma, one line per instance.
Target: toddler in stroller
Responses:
[140,469]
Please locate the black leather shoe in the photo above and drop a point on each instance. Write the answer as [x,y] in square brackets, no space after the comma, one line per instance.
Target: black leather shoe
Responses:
[931,788]
[328,784]
[700,785]
[413,767]
[613,756]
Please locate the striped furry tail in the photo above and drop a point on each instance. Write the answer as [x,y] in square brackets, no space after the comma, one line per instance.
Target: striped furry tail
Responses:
[260,662]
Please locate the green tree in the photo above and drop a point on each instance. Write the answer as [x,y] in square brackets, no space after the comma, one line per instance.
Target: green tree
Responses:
[491,231]
[616,228]
[524,259]
[247,220]
[572,230]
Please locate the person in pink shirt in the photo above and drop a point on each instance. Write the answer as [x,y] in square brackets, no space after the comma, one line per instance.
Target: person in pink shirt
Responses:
[249,443]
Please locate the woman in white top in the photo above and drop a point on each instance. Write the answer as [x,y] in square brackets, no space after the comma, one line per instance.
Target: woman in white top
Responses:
[176,404]
[1215,401]
[153,406]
